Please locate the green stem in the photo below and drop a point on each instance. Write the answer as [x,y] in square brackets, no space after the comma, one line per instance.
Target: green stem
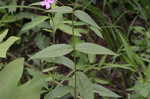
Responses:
[74,48]
[53,28]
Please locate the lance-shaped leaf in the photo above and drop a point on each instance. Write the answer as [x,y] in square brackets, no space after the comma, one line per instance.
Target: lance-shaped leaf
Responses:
[59,92]
[102,91]
[91,48]
[83,16]
[56,50]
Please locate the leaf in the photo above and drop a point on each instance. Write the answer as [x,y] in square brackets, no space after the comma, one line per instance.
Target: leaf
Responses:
[134,58]
[10,77]
[91,48]
[128,50]
[5,45]
[101,81]
[56,50]
[68,29]
[142,88]
[17,17]
[59,92]
[83,16]
[57,20]
[62,9]
[3,35]
[41,41]
[36,21]
[31,89]
[76,23]
[96,31]
[91,58]
[138,29]
[102,91]
[84,86]
[123,66]
[62,60]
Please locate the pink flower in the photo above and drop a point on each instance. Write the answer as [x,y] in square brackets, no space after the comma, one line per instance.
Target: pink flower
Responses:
[47,3]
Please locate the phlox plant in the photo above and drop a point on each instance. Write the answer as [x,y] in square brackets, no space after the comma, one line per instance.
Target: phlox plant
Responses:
[72,50]
[60,18]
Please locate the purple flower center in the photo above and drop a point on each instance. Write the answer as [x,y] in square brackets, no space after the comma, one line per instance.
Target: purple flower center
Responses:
[47,3]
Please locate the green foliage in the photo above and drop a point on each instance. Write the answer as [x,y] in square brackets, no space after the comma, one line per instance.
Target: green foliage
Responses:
[88,49]
[85,18]
[56,50]
[4,46]
[84,85]
[62,60]
[62,9]
[68,29]
[59,92]
[104,91]
[87,89]
[36,21]
[10,77]
[12,89]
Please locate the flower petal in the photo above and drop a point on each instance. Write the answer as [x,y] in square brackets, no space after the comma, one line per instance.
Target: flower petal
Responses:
[43,3]
[48,6]
[47,3]
[51,1]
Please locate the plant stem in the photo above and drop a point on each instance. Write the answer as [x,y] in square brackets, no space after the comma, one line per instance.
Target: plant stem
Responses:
[74,48]
[74,59]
